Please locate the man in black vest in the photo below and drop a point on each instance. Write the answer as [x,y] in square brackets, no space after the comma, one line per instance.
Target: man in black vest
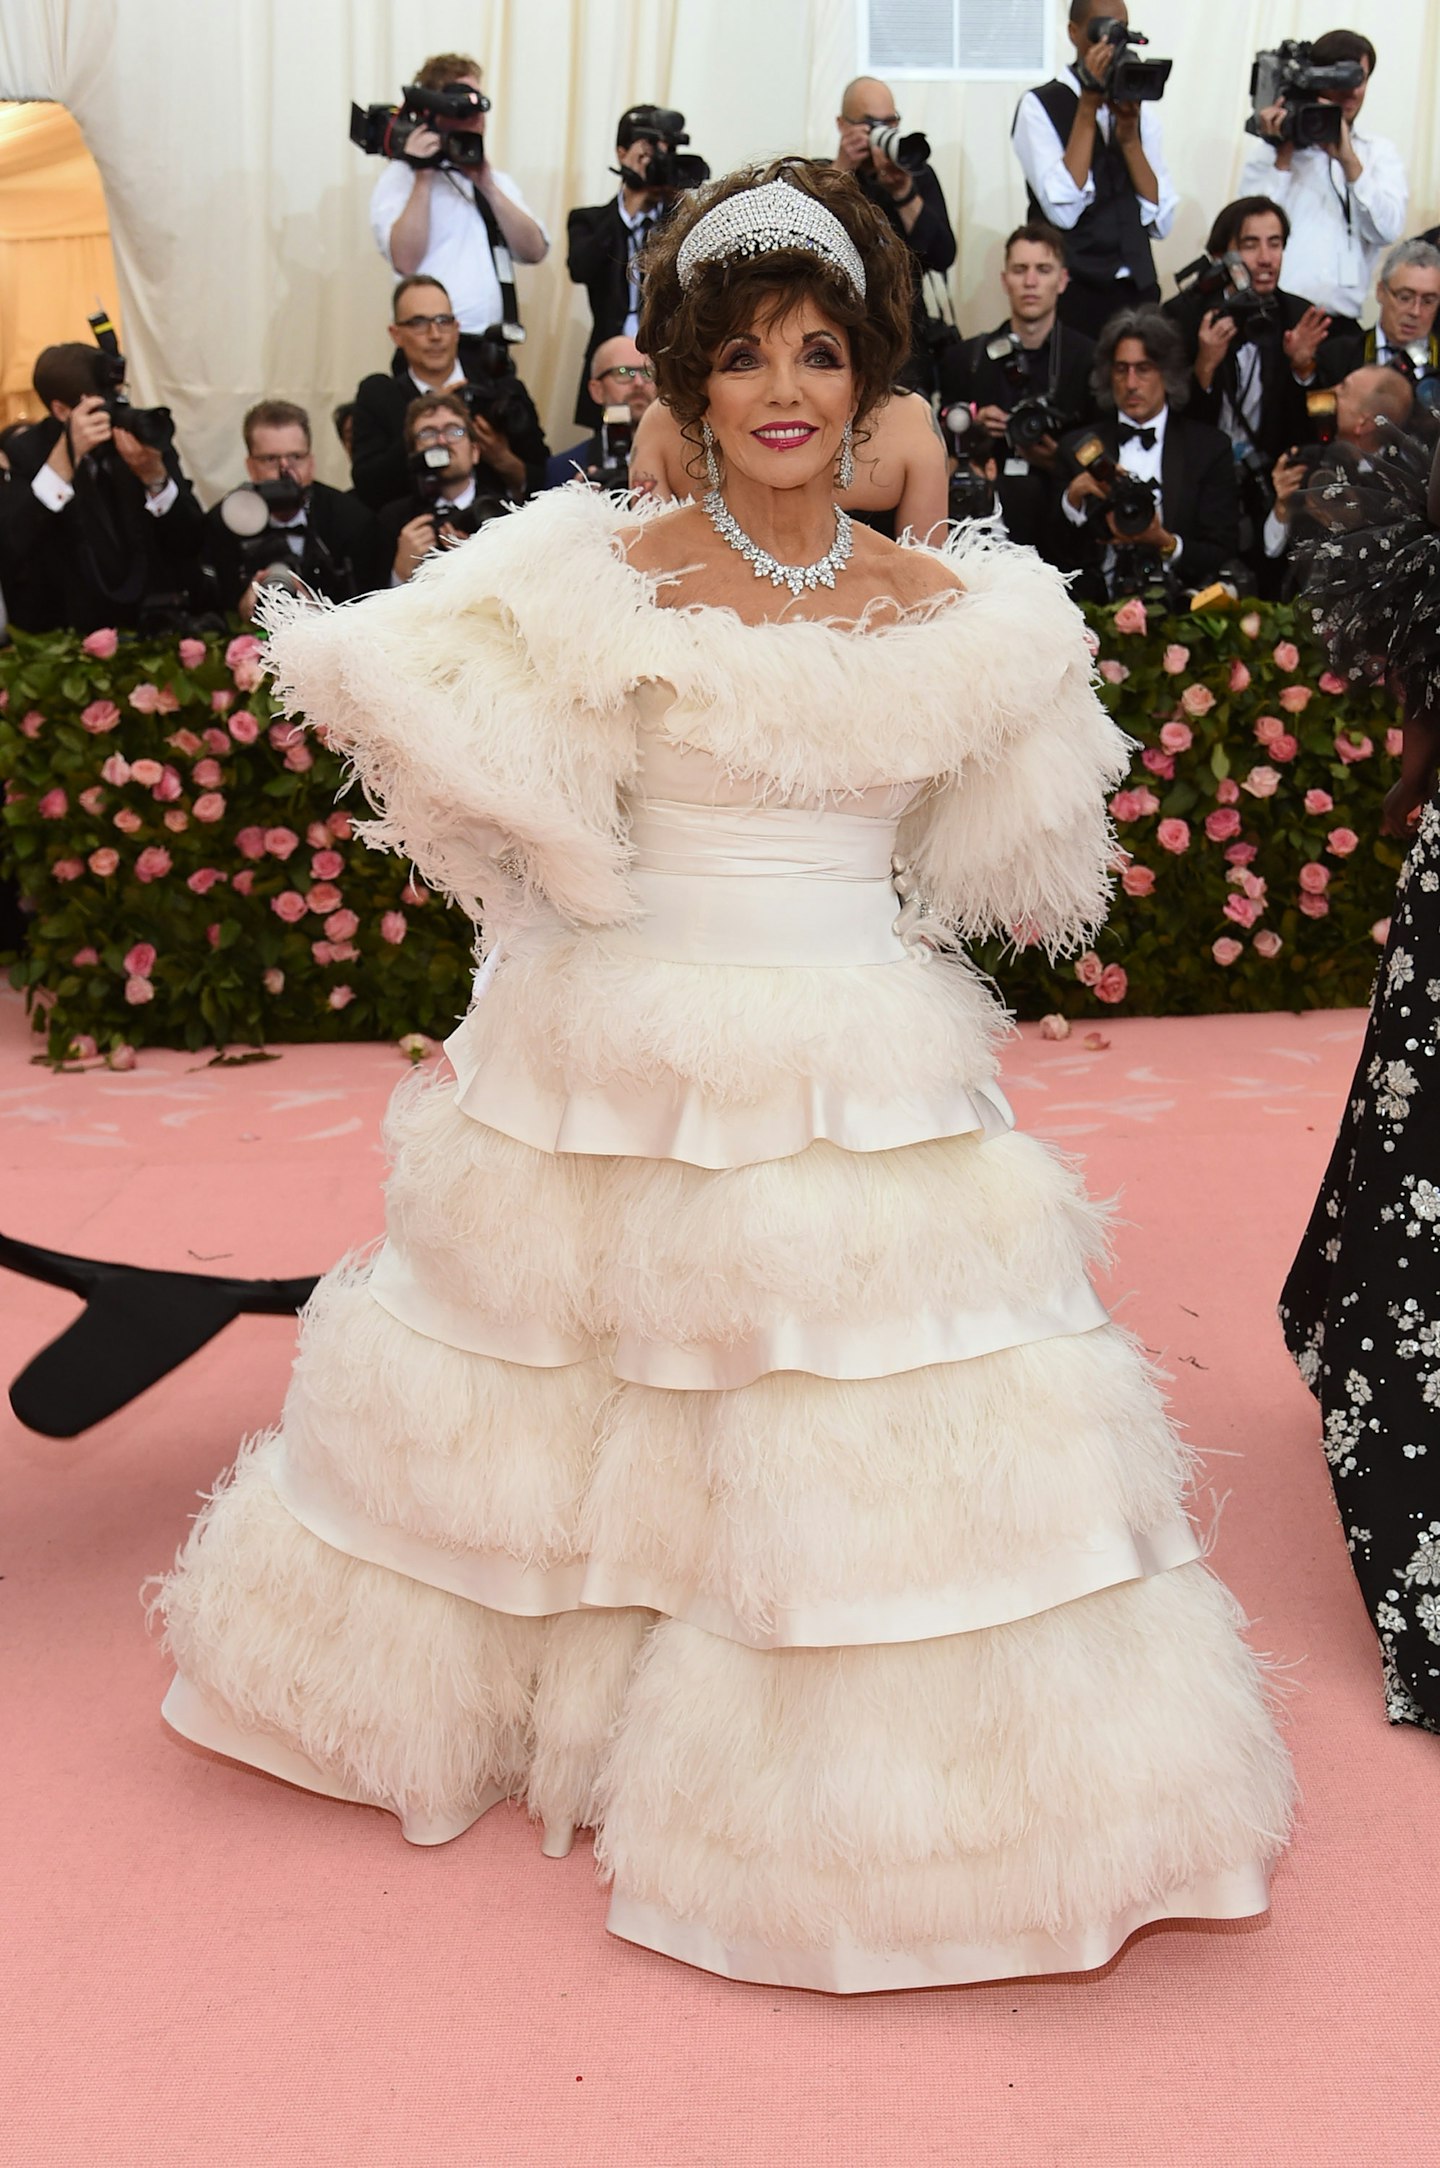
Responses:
[326,536]
[1097,172]
[606,240]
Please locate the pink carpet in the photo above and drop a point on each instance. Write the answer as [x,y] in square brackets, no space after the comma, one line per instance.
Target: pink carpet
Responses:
[204,1966]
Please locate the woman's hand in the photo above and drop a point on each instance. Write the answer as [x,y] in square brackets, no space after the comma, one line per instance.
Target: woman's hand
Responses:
[1404,802]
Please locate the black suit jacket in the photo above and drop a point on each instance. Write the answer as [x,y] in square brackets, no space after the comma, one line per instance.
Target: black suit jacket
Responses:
[598,258]
[1029,503]
[1282,400]
[379,469]
[1197,485]
[1347,350]
[104,560]
[350,558]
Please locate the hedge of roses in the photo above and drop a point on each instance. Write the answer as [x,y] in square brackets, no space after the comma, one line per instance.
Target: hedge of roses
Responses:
[193,881]
[1257,875]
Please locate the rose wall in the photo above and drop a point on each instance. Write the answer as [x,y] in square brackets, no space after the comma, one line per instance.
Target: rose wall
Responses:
[194,882]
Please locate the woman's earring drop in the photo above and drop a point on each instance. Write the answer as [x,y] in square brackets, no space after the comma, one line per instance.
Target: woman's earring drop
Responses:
[712,471]
[846,473]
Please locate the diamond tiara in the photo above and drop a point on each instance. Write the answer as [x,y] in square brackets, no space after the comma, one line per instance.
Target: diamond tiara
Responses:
[760,220]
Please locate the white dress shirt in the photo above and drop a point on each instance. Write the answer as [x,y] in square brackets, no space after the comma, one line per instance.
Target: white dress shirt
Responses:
[55,493]
[1042,156]
[1339,230]
[1144,461]
[459,251]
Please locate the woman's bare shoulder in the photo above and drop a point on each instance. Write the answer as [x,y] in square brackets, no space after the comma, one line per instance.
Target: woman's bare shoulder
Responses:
[916,576]
[662,541]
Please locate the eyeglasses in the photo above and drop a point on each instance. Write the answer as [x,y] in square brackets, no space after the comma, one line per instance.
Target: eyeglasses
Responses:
[277,460]
[426,323]
[452,433]
[1408,298]
[625,373]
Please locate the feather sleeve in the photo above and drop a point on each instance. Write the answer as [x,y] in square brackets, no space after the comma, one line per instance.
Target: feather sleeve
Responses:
[486,706]
[1016,838]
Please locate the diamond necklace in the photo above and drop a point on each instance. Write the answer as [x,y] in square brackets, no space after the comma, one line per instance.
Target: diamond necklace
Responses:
[796,577]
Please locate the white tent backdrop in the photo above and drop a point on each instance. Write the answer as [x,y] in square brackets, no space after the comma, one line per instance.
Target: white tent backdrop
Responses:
[238,206]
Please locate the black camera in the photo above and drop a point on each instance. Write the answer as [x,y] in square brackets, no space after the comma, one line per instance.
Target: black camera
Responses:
[910,152]
[384,131]
[1033,415]
[670,168]
[493,389]
[247,512]
[1130,79]
[1128,500]
[1223,284]
[617,439]
[971,493]
[427,471]
[152,426]
[1286,75]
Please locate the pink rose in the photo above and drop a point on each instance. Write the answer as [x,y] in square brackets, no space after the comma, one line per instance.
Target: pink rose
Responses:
[341,996]
[323,951]
[1130,617]
[121,1057]
[145,699]
[1125,805]
[1088,969]
[243,882]
[117,769]
[147,772]
[1114,673]
[184,741]
[31,723]
[81,1048]
[339,826]
[1380,932]
[207,773]
[138,991]
[341,925]
[100,716]
[176,819]
[281,843]
[317,835]
[243,727]
[324,898]
[1314,878]
[169,787]
[1342,841]
[127,821]
[1314,906]
[1350,750]
[1331,684]
[282,734]
[299,759]
[394,925]
[191,653]
[220,702]
[1239,676]
[289,905]
[1227,790]
[1158,763]
[1051,1027]
[326,864]
[1251,883]
[1262,782]
[1112,984]
[414,895]
[1295,699]
[1284,747]
[274,981]
[84,957]
[204,879]
[210,806]
[250,843]
[1241,910]
[1173,835]
[1223,823]
[103,862]
[54,805]
[1177,737]
[212,933]
[153,864]
[1267,944]
[140,961]
[218,742]
[68,869]
[101,644]
[1250,624]
[1175,658]
[1268,727]
[246,676]
[1287,656]
[241,649]
[1225,951]
[1394,743]
[1240,854]
[1196,700]
[1319,801]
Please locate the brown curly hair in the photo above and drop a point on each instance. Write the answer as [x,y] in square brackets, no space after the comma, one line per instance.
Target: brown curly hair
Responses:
[682,328]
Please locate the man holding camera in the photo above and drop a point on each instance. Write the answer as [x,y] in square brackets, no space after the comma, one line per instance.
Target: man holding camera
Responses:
[104,521]
[910,198]
[1151,495]
[449,497]
[1360,408]
[1094,167]
[323,536]
[1408,294]
[430,356]
[1027,382]
[1345,197]
[466,227]
[607,240]
[620,376]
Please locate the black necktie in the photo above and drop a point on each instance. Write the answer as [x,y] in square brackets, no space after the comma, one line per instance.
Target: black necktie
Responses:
[1130,431]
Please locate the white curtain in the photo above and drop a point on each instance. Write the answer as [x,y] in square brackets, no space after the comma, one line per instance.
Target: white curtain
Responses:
[238,208]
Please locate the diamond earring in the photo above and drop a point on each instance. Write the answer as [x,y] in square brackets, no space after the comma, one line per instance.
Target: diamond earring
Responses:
[846,473]
[712,471]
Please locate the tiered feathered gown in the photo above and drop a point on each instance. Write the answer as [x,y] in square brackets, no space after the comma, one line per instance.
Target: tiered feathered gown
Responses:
[726,1450]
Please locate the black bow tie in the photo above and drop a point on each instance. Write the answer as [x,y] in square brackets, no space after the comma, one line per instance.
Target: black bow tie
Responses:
[1130,431]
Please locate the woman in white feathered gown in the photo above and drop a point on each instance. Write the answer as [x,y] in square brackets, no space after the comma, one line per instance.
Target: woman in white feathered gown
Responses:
[725,1450]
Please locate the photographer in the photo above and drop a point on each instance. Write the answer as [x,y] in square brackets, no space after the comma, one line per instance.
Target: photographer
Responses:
[1096,170]
[1408,294]
[1179,528]
[1347,427]
[913,204]
[607,240]
[1345,198]
[324,536]
[431,356]
[104,522]
[449,497]
[463,228]
[620,376]
[1027,382]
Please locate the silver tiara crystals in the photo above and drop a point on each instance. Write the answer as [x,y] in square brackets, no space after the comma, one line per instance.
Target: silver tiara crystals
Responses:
[760,220]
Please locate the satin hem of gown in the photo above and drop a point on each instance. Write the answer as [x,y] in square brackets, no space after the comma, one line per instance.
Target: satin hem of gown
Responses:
[1110,1558]
[1233,1893]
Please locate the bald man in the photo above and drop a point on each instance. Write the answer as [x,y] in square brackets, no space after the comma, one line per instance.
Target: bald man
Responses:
[901,469]
[910,198]
[619,376]
[1367,401]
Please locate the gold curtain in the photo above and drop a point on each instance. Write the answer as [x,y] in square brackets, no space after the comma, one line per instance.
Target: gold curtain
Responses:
[55,260]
